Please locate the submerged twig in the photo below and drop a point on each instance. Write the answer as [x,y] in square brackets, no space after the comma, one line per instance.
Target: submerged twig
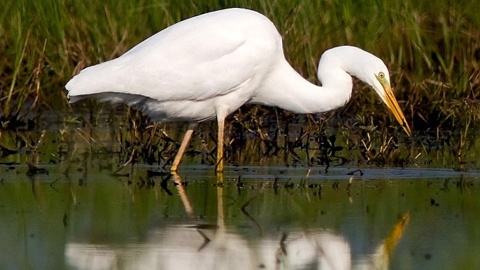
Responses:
[206,240]
[126,163]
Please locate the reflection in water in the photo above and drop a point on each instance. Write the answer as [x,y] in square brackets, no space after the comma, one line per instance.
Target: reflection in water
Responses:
[182,193]
[184,247]
[97,221]
[383,253]
[187,246]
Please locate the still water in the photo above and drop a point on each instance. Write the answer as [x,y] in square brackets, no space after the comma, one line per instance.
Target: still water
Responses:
[247,218]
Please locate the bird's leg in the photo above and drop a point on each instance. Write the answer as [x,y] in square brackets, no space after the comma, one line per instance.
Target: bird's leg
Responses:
[183,147]
[221,131]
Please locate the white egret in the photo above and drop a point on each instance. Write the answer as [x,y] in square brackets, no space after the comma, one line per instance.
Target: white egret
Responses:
[206,67]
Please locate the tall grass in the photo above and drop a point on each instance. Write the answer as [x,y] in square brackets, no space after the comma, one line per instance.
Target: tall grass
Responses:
[431,47]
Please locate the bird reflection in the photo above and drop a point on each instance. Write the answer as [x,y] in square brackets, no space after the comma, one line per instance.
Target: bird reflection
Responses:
[221,247]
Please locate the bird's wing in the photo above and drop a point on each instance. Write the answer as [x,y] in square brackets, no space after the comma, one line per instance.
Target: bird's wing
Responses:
[183,62]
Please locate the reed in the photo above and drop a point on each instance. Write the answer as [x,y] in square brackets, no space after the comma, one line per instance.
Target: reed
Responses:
[431,47]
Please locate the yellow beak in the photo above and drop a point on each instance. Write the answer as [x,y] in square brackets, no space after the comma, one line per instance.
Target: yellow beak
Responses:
[392,104]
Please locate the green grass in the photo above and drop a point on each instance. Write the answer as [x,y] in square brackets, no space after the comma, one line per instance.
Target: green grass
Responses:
[431,47]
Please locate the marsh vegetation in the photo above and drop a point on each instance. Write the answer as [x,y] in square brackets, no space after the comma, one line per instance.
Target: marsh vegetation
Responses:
[431,47]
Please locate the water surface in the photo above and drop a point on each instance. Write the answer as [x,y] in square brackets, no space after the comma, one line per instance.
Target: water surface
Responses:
[258,218]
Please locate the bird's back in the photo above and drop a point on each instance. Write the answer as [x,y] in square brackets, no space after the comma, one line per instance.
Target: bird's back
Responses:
[202,58]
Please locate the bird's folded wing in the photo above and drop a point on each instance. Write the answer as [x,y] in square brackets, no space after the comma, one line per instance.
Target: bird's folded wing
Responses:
[176,64]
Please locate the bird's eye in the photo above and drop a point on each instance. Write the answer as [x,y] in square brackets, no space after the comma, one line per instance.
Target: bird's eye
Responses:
[381,75]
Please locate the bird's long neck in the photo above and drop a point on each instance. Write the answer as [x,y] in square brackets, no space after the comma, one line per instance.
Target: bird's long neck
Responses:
[287,89]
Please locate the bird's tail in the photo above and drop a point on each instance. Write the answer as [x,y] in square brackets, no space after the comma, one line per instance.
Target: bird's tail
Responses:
[100,81]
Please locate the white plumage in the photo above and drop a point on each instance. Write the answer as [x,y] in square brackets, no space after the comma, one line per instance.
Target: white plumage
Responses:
[206,67]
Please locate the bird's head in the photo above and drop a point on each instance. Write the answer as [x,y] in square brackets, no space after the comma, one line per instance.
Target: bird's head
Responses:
[373,71]
[382,87]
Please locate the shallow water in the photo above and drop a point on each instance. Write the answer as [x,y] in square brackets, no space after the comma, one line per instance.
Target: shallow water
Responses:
[258,218]
[70,212]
